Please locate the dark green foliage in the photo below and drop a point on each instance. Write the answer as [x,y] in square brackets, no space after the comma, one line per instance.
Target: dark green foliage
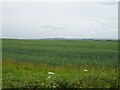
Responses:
[62,52]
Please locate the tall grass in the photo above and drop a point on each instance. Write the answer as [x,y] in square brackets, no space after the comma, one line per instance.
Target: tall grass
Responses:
[75,64]
[78,52]
[35,75]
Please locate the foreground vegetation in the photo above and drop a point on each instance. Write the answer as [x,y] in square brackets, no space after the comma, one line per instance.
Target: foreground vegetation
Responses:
[60,64]
[36,75]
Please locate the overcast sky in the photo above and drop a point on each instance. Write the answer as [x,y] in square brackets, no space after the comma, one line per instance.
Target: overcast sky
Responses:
[61,19]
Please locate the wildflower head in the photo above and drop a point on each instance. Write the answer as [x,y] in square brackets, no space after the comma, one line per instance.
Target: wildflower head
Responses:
[54,86]
[49,77]
[51,73]
[85,70]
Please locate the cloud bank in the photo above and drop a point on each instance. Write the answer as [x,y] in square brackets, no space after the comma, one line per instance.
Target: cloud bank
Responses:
[41,20]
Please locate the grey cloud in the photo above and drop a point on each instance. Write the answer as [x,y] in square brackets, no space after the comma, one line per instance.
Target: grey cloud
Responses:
[108,3]
[41,20]
[51,27]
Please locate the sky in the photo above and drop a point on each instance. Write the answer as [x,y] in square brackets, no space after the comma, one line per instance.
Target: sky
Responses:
[60,20]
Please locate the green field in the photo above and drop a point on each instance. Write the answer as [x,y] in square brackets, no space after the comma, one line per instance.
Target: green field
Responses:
[74,63]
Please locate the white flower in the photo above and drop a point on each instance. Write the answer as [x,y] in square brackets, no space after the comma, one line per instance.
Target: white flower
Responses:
[54,86]
[51,73]
[49,77]
[85,70]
